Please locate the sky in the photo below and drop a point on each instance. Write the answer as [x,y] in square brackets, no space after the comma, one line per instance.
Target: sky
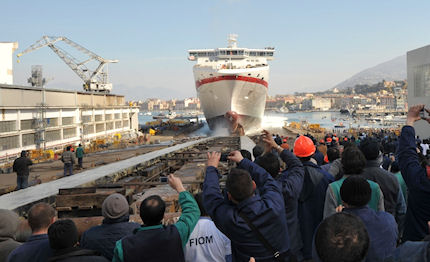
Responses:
[318,43]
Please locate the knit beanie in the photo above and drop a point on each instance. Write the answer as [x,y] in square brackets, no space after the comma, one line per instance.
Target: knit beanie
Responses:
[9,222]
[63,234]
[370,148]
[115,206]
[355,191]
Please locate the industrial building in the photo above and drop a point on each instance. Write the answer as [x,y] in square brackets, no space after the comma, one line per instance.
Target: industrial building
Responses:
[49,118]
[418,69]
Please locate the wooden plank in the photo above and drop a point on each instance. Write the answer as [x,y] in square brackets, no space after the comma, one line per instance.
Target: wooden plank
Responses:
[76,190]
[81,200]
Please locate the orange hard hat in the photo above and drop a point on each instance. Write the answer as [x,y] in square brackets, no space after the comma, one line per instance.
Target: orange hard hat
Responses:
[322,141]
[329,139]
[336,138]
[345,139]
[326,158]
[285,146]
[304,147]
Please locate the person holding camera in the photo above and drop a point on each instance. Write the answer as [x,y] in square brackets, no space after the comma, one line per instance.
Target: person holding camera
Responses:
[255,223]
[417,178]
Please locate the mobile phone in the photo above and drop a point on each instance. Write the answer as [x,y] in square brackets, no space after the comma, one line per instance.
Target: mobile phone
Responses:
[224,157]
[423,114]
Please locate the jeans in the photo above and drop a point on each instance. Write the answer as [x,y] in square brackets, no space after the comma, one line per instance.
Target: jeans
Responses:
[68,168]
[80,162]
[21,182]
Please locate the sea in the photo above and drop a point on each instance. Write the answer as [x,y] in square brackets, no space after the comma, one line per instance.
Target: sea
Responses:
[326,119]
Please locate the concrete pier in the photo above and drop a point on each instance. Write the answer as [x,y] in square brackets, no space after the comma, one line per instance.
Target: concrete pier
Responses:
[19,200]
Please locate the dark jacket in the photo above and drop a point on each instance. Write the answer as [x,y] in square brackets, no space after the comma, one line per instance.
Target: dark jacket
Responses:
[20,166]
[311,203]
[36,249]
[382,230]
[386,181]
[103,238]
[291,181]
[160,243]
[76,254]
[265,210]
[319,157]
[418,184]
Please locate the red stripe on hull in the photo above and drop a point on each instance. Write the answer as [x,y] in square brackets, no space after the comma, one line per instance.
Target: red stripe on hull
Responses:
[236,78]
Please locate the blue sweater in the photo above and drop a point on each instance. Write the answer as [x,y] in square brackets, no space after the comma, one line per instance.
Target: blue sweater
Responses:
[415,176]
[266,211]
[382,229]
[35,249]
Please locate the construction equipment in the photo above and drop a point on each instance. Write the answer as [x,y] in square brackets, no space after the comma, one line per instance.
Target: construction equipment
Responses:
[94,80]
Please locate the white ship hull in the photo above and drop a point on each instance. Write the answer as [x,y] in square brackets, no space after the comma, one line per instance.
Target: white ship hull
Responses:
[242,91]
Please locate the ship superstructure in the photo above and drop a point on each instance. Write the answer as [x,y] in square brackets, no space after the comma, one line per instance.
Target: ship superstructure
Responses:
[232,83]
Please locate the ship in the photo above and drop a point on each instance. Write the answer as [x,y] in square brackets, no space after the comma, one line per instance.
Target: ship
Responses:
[232,84]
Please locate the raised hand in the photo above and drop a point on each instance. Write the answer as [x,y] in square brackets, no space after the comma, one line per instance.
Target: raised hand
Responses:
[414,114]
[175,183]
[235,156]
[213,159]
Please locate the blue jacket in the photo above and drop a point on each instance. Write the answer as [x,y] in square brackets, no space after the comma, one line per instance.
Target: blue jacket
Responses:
[266,211]
[415,176]
[103,238]
[411,251]
[36,249]
[311,203]
[291,181]
[382,229]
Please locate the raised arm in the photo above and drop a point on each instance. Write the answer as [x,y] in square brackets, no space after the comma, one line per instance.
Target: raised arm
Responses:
[213,201]
[190,210]
[292,177]
[412,171]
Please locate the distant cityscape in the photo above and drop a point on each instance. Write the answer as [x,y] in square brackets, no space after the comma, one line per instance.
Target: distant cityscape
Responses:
[383,96]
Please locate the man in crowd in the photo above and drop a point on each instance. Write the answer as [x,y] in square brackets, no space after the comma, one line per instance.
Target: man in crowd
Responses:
[255,223]
[40,217]
[207,243]
[416,176]
[394,201]
[8,226]
[332,154]
[80,155]
[68,158]
[291,182]
[63,239]
[312,196]
[381,226]
[341,237]
[116,225]
[20,166]
[153,241]
[353,163]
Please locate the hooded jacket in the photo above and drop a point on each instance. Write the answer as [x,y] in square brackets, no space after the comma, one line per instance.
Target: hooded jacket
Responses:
[9,222]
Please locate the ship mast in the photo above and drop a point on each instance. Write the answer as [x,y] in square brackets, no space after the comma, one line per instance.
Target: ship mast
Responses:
[232,43]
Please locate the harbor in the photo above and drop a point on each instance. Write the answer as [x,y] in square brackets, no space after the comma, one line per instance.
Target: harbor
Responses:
[214,131]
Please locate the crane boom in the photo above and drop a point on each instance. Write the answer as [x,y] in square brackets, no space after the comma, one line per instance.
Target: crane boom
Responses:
[94,80]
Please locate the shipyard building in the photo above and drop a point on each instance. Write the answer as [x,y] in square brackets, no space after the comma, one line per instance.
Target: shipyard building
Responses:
[418,69]
[40,118]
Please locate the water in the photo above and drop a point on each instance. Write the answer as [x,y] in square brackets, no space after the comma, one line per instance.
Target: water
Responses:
[277,120]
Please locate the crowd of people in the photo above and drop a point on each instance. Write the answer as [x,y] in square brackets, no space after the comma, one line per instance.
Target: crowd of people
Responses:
[348,199]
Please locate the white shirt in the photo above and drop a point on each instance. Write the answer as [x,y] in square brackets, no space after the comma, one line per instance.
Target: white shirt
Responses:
[207,243]
[425,148]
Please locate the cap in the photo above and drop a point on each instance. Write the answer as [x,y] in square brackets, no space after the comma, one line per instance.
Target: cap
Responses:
[115,206]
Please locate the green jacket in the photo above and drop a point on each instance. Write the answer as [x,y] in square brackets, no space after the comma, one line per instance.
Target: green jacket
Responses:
[79,152]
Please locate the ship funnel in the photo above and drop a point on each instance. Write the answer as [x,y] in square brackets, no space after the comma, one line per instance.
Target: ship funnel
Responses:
[232,40]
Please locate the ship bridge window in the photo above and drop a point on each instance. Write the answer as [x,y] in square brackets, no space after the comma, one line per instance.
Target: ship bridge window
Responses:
[261,54]
[240,52]
[222,52]
[252,53]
